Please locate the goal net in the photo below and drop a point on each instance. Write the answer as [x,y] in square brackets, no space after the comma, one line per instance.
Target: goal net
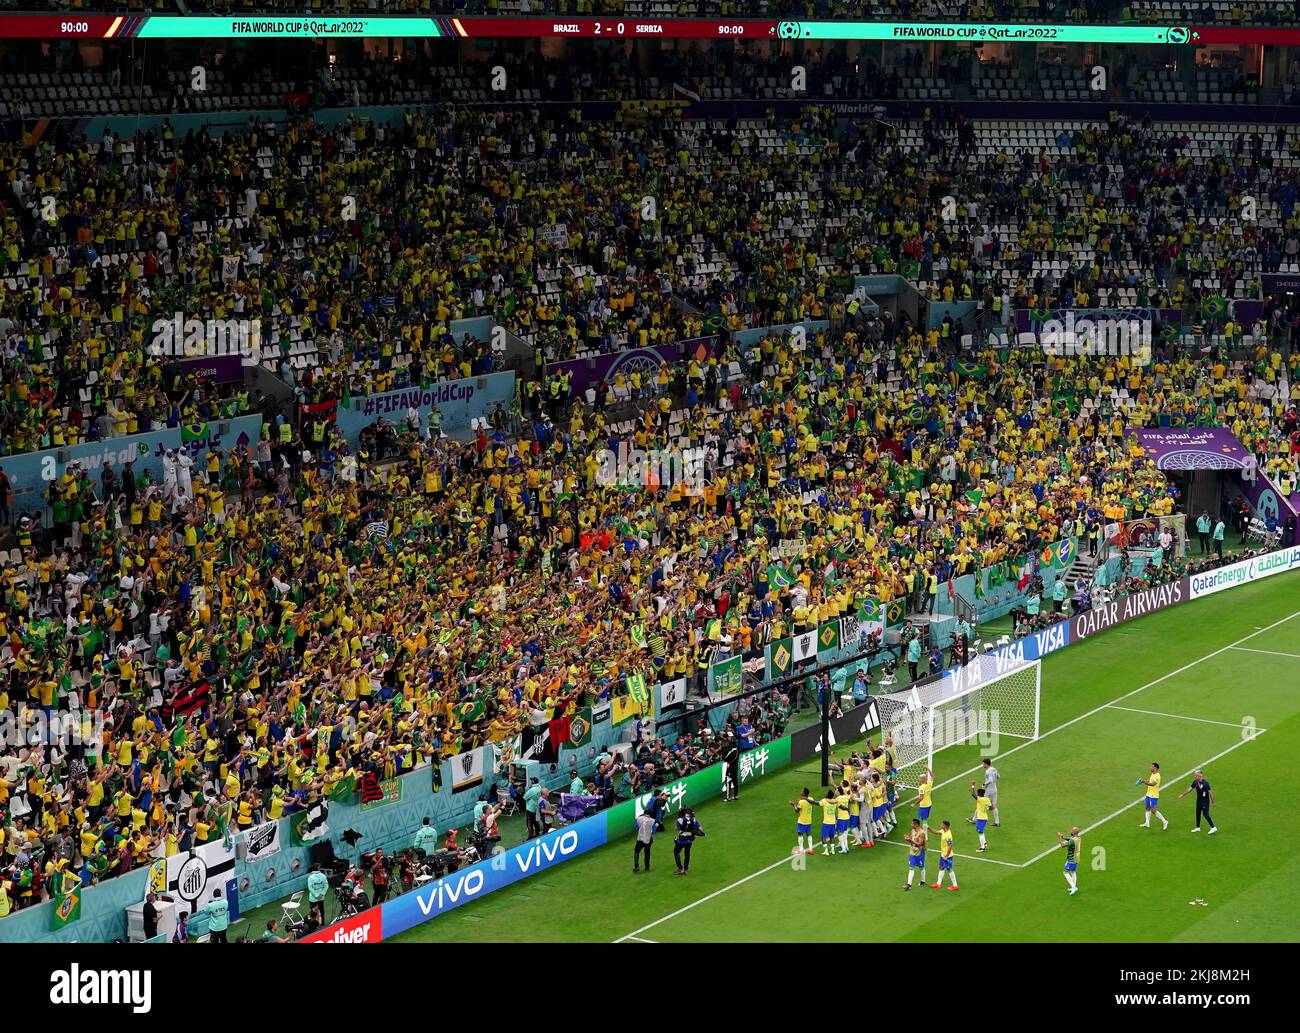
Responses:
[987,698]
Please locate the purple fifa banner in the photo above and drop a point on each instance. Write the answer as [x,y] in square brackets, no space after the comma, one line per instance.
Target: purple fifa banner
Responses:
[590,371]
[221,369]
[1195,448]
[1280,283]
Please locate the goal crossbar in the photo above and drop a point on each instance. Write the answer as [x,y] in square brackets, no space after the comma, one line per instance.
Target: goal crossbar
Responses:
[985,699]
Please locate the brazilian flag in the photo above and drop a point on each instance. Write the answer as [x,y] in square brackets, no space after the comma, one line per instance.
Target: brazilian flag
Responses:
[470,710]
[194,432]
[344,787]
[780,654]
[971,370]
[1213,307]
[580,728]
[779,576]
[828,637]
[894,613]
[67,909]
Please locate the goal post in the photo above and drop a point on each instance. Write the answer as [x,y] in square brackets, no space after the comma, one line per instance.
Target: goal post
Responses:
[985,699]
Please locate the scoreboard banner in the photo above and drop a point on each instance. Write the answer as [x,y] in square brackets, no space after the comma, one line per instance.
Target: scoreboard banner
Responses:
[249,26]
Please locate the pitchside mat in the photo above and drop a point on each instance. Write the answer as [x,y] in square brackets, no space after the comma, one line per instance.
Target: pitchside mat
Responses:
[1213,684]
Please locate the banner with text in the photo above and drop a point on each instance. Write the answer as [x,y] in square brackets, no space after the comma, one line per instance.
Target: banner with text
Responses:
[459,402]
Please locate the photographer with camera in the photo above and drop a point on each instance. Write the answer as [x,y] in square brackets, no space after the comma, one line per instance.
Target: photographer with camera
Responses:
[380,876]
[688,828]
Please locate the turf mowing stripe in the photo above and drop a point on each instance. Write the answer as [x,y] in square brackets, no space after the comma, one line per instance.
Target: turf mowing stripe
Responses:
[716,893]
[1129,806]
[1270,652]
[1183,717]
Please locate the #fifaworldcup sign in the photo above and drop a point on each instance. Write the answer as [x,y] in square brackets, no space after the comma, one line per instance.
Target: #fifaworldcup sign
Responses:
[459,402]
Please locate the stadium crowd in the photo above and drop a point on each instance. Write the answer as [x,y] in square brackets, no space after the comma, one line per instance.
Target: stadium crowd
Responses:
[579,238]
[276,622]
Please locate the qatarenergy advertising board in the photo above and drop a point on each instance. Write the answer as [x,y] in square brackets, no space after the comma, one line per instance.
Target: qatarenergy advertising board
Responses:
[1245,571]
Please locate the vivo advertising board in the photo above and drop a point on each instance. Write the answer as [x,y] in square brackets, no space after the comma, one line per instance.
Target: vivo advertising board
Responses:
[478,880]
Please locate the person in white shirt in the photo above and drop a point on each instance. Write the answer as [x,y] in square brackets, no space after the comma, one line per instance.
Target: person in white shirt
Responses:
[169,473]
[184,479]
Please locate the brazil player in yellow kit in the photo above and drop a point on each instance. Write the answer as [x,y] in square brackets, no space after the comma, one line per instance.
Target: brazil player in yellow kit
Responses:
[828,803]
[860,813]
[803,821]
[877,791]
[842,805]
[1152,782]
[946,855]
[924,792]
[915,840]
[982,807]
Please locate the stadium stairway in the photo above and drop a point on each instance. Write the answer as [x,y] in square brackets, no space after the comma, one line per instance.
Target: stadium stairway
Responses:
[1083,567]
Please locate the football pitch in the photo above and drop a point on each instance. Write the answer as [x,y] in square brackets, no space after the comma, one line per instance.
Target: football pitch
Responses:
[1213,684]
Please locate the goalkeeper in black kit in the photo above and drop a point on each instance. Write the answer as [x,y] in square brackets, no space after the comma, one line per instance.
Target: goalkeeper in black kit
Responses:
[731,772]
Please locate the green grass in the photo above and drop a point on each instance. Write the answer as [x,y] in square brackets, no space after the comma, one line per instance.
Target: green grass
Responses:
[1189,684]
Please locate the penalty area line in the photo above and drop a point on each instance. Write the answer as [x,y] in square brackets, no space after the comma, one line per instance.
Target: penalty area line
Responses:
[1184,717]
[1270,652]
[1130,806]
